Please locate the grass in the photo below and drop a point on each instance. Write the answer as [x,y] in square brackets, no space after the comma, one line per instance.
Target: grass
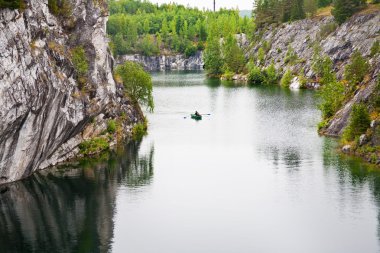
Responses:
[324,12]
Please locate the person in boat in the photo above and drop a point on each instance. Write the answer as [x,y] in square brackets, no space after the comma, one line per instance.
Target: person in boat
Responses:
[197,113]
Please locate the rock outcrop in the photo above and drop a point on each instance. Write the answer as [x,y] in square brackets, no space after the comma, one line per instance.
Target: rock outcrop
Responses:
[166,62]
[291,46]
[46,109]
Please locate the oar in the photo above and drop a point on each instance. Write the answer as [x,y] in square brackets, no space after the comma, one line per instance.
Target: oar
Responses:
[206,114]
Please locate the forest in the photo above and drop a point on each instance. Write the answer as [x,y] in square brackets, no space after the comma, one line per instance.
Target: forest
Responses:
[151,29]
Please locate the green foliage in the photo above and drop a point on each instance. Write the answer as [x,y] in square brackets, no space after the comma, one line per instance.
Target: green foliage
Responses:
[137,83]
[260,55]
[93,146]
[286,79]
[111,126]
[148,46]
[12,4]
[356,70]
[270,75]
[179,27]
[322,124]
[255,76]
[343,9]
[190,50]
[139,130]
[212,57]
[359,122]
[291,56]
[268,12]
[323,67]
[376,95]
[233,56]
[327,29]
[60,8]
[324,3]
[375,49]
[311,7]
[331,96]
[228,75]
[79,59]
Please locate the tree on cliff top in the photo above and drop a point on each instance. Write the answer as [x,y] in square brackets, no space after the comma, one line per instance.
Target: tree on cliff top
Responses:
[137,83]
[343,9]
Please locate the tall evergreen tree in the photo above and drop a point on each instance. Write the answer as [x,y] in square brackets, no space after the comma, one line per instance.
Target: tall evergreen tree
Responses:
[343,9]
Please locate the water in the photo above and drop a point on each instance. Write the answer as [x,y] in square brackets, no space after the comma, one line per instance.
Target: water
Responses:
[253,176]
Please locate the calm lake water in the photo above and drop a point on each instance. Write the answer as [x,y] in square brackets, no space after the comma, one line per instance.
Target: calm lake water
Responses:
[253,176]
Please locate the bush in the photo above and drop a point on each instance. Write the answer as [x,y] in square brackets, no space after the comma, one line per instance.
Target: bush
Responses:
[270,75]
[148,46]
[12,4]
[356,70]
[60,8]
[359,122]
[260,55]
[79,59]
[93,146]
[327,29]
[322,66]
[291,56]
[111,126]
[228,75]
[375,49]
[331,98]
[139,130]
[286,79]
[190,51]
[137,83]
[255,76]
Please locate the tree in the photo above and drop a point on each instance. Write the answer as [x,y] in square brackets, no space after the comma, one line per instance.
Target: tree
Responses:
[234,59]
[137,83]
[344,9]
[310,7]
[331,98]
[359,122]
[212,57]
[356,70]
[11,4]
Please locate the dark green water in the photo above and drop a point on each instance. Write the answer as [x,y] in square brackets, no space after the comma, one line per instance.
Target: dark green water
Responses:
[254,176]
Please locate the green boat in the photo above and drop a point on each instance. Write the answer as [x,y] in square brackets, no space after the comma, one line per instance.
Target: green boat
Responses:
[196,117]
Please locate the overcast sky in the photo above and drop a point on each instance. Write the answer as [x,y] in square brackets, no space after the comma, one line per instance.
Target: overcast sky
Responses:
[241,4]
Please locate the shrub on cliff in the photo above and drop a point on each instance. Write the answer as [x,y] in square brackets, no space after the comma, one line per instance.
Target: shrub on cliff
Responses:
[270,75]
[375,49]
[80,62]
[255,76]
[356,70]
[60,8]
[331,98]
[137,83]
[359,122]
[286,79]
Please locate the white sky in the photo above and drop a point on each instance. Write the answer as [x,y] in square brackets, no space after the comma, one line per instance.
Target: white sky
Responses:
[208,4]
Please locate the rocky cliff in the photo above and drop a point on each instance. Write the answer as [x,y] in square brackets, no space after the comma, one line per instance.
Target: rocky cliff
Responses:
[47,106]
[297,40]
[166,62]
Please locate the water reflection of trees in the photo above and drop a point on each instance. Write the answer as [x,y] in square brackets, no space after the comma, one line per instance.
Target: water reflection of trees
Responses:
[70,209]
[354,172]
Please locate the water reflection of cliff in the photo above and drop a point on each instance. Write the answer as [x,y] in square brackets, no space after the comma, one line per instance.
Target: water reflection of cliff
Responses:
[354,172]
[71,209]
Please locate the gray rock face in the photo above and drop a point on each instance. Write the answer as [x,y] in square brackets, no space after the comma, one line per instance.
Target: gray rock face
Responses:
[44,113]
[166,62]
[358,33]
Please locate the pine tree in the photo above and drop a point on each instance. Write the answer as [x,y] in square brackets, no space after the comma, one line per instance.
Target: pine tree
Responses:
[343,9]
[212,56]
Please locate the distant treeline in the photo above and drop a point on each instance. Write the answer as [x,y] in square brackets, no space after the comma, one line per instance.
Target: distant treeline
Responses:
[150,29]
